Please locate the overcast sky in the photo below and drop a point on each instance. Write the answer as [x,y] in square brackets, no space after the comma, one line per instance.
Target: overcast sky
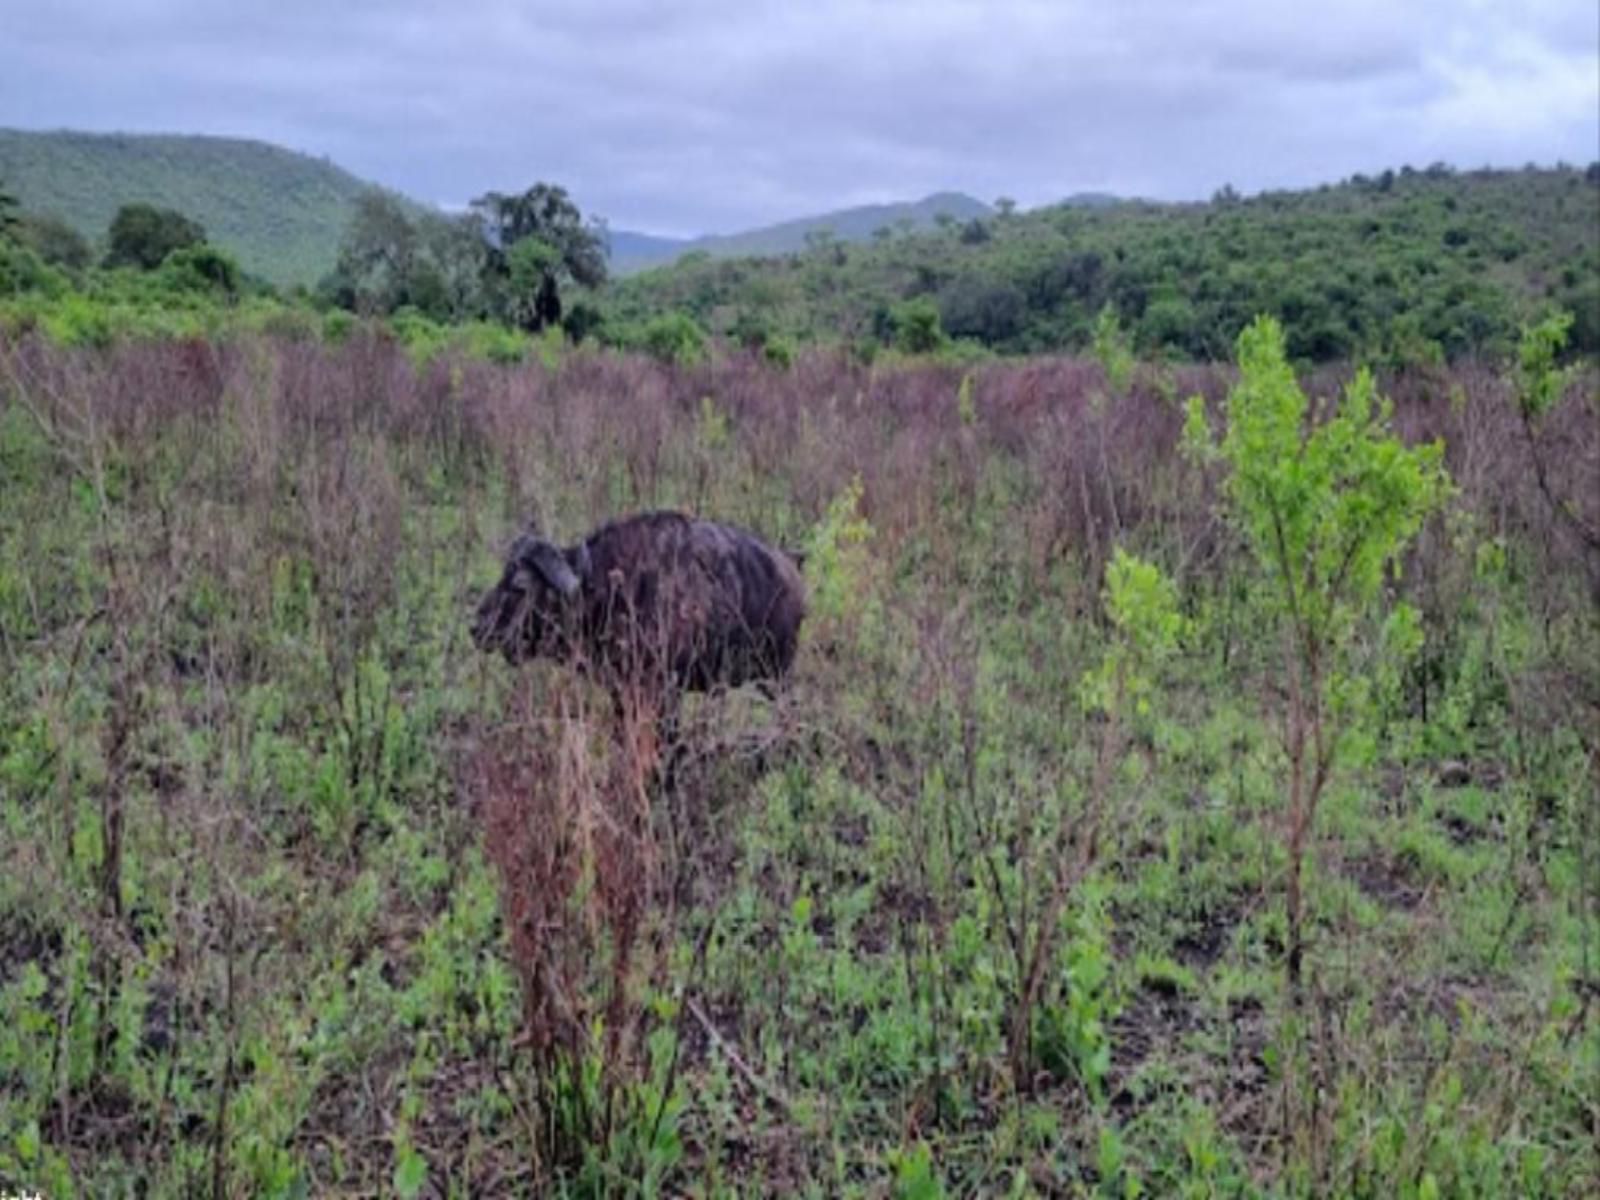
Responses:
[688,116]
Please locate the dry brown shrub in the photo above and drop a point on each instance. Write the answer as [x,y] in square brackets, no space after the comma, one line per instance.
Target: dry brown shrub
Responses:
[566,817]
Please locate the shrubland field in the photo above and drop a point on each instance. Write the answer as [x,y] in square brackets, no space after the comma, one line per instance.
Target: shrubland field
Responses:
[1095,848]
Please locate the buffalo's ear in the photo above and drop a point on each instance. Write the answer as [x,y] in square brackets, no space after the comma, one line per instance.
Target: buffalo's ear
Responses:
[523,549]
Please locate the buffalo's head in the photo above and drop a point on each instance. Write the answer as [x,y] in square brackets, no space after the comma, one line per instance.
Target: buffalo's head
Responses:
[524,614]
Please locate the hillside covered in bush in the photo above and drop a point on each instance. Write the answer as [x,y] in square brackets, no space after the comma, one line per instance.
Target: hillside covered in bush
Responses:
[1403,265]
[280,213]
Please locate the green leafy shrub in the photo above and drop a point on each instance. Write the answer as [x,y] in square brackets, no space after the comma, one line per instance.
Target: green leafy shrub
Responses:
[422,337]
[497,343]
[21,270]
[674,338]
[201,268]
[917,328]
[337,325]
[76,320]
[143,235]
[837,558]
[1327,508]
[778,352]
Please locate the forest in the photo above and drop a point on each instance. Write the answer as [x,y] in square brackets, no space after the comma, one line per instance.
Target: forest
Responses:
[1188,782]
[1406,266]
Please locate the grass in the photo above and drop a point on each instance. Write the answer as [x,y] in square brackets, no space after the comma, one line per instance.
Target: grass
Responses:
[301,896]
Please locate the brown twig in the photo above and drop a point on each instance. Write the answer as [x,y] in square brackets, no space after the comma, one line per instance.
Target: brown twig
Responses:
[770,1090]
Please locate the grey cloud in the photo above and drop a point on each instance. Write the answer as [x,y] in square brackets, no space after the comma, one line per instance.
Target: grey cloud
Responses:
[712,115]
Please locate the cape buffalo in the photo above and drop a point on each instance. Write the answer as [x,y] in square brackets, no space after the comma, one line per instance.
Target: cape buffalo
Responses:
[659,599]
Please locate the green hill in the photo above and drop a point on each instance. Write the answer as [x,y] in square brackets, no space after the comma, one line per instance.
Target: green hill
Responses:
[281,213]
[632,252]
[1400,265]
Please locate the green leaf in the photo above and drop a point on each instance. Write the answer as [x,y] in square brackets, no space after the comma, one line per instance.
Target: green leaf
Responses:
[915,1178]
[27,1142]
[410,1173]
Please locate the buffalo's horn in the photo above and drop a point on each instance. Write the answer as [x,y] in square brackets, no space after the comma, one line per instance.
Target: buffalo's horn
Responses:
[553,566]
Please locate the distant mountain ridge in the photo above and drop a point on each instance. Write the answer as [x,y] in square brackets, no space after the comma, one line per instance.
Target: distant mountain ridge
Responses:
[1092,200]
[632,251]
[280,212]
[283,213]
[635,251]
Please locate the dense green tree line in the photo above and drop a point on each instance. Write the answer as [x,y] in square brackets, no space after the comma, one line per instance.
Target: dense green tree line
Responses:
[150,253]
[509,257]
[510,261]
[1401,266]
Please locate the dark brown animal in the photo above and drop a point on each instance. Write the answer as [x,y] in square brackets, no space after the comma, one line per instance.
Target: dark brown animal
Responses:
[659,602]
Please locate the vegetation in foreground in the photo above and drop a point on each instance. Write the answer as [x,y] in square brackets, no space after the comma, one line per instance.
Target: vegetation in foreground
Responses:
[1168,801]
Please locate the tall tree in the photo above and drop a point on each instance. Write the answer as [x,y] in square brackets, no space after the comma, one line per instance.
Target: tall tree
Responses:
[568,250]
[390,257]
[377,256]
[54,241]
[8,212]
[142,235]
[534,267]
[456,250]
